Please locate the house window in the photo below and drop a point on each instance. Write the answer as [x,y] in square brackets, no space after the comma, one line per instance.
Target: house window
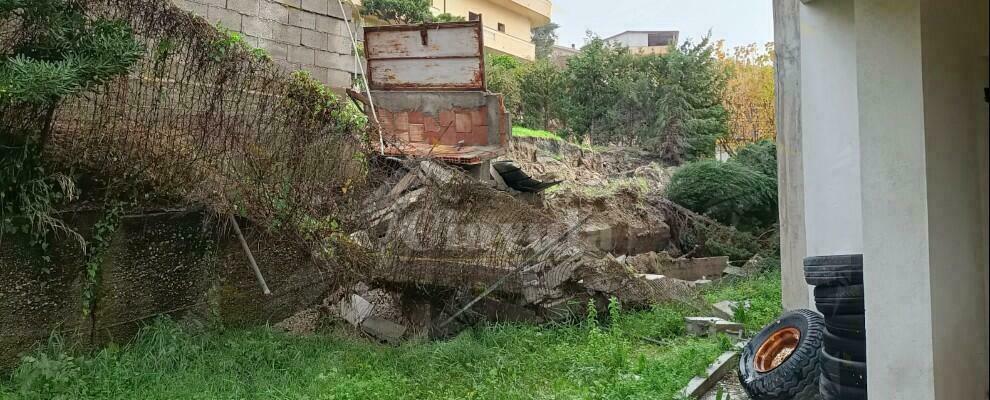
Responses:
[659,39]
[474,17]
[501,27]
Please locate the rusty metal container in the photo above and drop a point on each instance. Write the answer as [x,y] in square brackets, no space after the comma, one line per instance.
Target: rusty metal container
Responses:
[428,85]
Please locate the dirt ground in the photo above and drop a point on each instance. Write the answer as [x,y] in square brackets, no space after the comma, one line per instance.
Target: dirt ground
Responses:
[730,388]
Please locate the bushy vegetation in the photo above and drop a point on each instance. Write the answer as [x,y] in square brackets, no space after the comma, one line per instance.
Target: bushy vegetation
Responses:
[404,11]
[668,103]
[741,192]
[60,52]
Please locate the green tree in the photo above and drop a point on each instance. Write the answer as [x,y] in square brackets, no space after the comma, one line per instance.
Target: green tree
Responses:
[544,37]
[691,115]
[56,50]
[398,11]
[598,80]
[502,76]
[543,99]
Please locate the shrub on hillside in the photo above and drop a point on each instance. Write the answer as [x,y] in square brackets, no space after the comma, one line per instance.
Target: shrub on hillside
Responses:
[760,156]
[730,192]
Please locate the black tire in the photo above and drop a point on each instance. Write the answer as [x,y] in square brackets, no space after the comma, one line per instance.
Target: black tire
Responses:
[798,372]
[845,348]
[834,391]
[843,372]
[842,259]
[847,326]
[834,270]
[840,300]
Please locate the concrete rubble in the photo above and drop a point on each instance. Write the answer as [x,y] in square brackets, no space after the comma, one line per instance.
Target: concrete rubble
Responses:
[707,326]
[439,237]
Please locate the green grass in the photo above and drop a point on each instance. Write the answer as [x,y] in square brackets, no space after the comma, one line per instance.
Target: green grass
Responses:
[639,355]
[762,291]
[519,131]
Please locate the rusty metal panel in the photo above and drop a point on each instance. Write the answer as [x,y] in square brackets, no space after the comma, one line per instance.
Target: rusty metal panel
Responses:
[445,56]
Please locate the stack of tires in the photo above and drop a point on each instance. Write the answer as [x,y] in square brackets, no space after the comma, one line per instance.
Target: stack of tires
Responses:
[838,282]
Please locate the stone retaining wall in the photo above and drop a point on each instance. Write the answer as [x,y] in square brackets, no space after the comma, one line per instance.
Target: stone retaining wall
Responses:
[176,263]
[298,34]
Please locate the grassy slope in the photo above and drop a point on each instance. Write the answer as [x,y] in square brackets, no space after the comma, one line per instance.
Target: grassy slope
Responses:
[519,131]
[642,355]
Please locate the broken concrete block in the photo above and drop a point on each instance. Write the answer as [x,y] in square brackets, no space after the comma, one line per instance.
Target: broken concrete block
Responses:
[650,277]
[718,369]
[735,271]
[706,326]
[725,309]
[700,282]
[383,329]
[355,309]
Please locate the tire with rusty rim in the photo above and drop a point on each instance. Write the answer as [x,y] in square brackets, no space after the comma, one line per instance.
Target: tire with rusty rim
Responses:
[782,361]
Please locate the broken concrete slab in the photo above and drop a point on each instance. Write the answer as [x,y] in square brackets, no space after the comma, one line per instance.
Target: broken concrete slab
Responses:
[707,326]
[718,369]
[735,271]
[725,309]
[650,277]
[680,268]
[355,309]
[383,329]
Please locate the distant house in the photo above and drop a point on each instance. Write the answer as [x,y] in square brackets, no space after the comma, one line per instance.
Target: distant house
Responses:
[560,54]
[646,42]
[508,23]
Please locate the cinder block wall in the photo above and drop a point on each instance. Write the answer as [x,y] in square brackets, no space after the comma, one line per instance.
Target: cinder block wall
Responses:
[298,34]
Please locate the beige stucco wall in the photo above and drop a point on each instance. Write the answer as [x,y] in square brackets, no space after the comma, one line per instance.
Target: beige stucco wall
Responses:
[518,16]
[517,38]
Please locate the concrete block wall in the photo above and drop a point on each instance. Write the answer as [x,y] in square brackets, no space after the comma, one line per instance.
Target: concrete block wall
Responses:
[309,35]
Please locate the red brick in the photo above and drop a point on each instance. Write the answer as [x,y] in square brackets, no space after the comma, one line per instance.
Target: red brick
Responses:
[401,122]
[417,133]
[415,117]
[480,116]
[446,120]
[430,124]
[463,122]
[479,135]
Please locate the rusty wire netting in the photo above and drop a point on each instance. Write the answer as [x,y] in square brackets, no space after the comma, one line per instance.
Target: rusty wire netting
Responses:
[204,117]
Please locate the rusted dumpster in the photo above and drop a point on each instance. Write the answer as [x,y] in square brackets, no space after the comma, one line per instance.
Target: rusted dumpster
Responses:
[428,86]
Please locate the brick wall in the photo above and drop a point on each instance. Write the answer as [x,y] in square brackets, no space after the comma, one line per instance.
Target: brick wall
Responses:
[298,34]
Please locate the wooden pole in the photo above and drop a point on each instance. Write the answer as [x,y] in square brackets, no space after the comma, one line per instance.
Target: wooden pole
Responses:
[254,265]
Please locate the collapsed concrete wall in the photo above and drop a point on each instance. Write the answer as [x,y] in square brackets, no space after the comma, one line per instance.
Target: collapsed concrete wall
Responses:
[168,263]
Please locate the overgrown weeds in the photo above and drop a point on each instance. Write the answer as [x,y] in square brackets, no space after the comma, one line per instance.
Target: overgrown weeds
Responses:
[635,355]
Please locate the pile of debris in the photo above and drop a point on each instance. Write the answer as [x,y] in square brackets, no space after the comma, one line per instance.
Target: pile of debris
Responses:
[450,250]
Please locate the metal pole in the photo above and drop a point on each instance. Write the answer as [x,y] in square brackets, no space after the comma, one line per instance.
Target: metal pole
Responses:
[254,265]
[364,77]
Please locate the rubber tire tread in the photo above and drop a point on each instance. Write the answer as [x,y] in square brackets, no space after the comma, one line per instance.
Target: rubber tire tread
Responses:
[833,277]
[851,349]
[852,326]
[840,300]
[841,259]
[834,391]
[839,292]
[843,372]
[795,379]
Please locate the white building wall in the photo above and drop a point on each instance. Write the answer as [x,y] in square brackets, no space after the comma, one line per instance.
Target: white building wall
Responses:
[896,268]
[830,129]
[894,151]
[631,39]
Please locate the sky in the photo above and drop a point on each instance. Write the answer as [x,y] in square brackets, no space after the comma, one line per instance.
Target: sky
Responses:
[739,22]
